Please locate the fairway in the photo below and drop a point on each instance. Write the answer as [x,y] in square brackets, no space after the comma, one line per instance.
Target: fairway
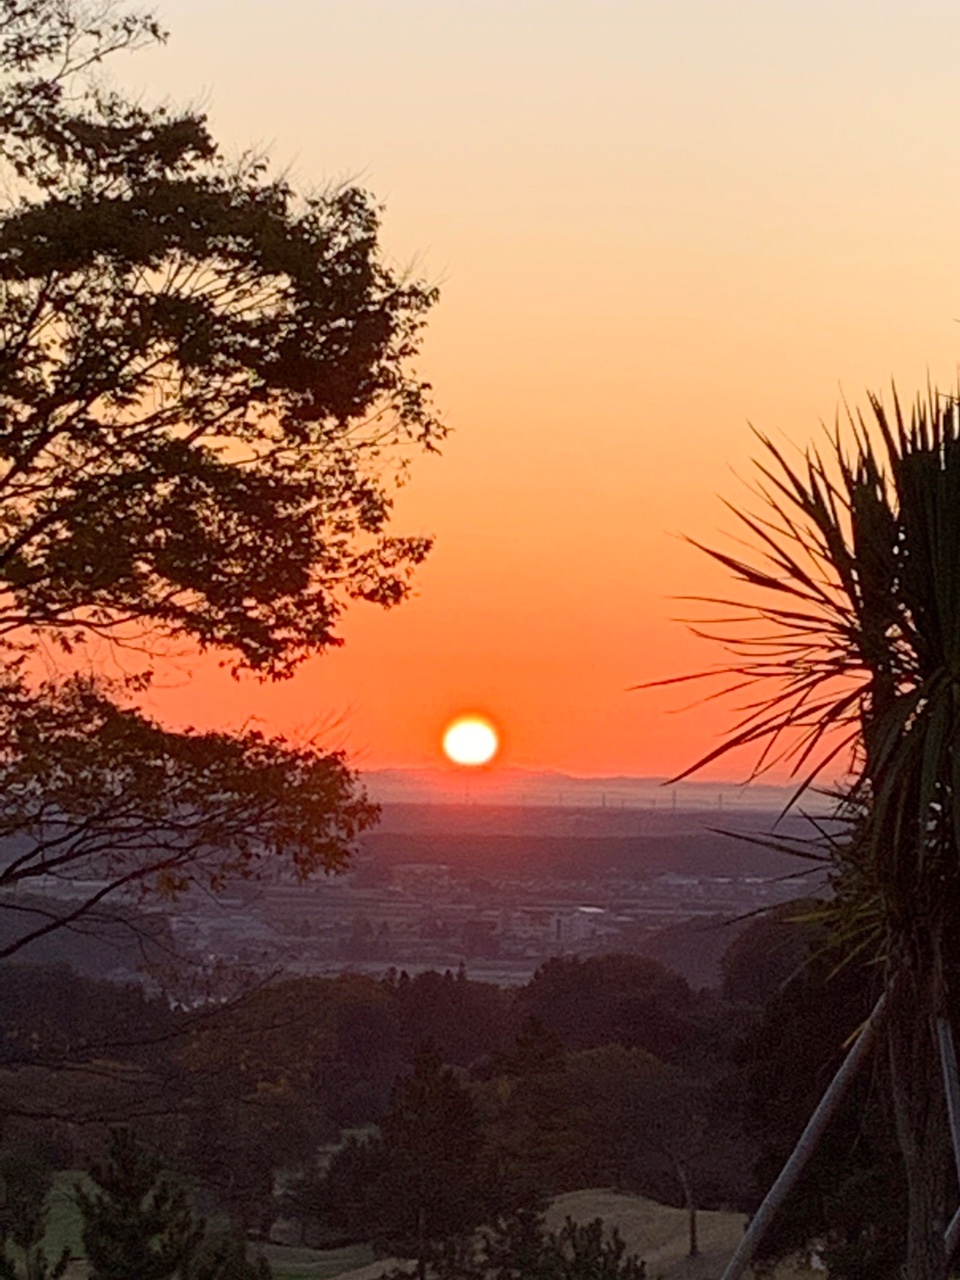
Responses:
[290,1263]
[655,1232]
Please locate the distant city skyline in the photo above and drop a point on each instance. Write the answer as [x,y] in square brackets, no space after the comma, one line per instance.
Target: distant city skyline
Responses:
[450,785]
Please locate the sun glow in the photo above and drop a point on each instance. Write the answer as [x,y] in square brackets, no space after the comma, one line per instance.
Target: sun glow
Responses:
[470,740]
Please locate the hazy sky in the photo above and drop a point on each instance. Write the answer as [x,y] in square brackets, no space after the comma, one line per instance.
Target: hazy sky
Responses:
[652,223]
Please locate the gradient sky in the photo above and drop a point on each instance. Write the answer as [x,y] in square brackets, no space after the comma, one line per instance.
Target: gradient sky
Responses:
[652,223]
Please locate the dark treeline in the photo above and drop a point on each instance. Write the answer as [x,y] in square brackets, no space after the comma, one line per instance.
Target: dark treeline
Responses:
[352,1092]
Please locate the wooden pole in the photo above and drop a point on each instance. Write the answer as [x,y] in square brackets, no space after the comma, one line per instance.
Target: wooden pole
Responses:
[951,1086]
[952,1237]
[807,1144]
[951,1083]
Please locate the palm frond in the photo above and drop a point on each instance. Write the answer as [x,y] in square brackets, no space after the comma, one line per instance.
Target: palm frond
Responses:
[847,626]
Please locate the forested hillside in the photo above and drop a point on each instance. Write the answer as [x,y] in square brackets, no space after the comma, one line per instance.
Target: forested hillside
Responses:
[327,1102]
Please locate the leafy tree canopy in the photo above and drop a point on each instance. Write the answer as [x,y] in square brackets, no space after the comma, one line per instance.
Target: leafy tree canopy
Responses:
[601,999]
[203,373]
[94,792]
[206,395]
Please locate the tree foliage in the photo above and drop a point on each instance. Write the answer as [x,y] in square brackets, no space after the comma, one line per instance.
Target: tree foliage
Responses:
[600,999]
[135,1222]
[419,1186]
[231,1095]
[103,799]
[202,373]
[609,1116]
[851,1195]
[519,1248]
[206,395]
[225,1258]
[432,1187]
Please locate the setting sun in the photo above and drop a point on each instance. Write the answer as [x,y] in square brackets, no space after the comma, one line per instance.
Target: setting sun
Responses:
[470,740]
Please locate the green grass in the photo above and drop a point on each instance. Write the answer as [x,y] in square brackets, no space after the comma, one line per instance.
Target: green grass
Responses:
[64,1226]
[290,1263]
[63,1220]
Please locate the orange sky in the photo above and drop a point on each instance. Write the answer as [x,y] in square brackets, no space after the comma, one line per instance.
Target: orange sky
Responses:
[652,222]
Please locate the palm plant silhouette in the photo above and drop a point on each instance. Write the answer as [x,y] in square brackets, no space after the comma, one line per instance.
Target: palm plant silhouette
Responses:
[846,635]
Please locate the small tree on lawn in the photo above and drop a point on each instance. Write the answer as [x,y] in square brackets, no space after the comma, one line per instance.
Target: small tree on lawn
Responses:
[136,1224]
[518,1247]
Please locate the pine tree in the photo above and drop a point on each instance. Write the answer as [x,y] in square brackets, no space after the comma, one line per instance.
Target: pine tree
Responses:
[583,1251]
[517,1247]
[431,1189]
[136,1225]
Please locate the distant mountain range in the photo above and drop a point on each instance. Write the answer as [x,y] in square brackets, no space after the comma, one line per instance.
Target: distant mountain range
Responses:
[458,785]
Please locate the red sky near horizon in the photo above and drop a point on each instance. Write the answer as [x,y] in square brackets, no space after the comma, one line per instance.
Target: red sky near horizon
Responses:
[651,224]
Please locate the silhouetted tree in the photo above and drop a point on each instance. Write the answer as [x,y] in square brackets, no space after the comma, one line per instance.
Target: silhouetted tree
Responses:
[50,1012]
[538,1133]
[135,1223]
[535,1051]
[433,1186]
[463,1019]
[202,374]
[852,1193]
[205,390]
[517,1247]
[651,1128]
[102,796]
[585,1251]
[767,954]
[345,1199]
[419,1187]
[608,999]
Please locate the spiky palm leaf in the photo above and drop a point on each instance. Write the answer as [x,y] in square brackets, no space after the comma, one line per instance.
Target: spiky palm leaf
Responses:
[848,634]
